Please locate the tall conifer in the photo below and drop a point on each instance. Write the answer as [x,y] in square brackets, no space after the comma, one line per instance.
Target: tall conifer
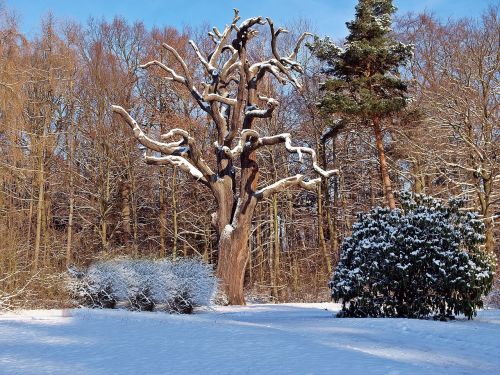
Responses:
[363,75]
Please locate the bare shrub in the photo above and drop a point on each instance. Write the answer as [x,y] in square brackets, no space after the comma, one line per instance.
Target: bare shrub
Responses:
[145,285]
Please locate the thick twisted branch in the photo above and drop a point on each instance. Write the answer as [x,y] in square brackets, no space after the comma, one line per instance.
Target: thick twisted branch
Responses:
[307,150]
[262,113]
[250,141]
[177,153]
[165,148]
[297,180]
[177,161]
[185,80]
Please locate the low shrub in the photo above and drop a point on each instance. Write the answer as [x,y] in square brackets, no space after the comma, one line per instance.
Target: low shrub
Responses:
[145,285]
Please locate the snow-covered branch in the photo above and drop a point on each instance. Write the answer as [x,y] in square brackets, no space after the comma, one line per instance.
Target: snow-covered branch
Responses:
[177,161]
[185,79]
[182,153]
[297,180]
[210,97]
[209,67]
[6,299]
[174,76]
[253,112]
[280,67]
[250,141]
[223,39]
[165,148]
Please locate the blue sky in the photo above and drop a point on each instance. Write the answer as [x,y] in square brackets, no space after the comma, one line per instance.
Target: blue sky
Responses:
[327,16]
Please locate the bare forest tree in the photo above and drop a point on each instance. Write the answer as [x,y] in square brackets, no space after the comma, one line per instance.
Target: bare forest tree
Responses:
[231,97]
[456,79]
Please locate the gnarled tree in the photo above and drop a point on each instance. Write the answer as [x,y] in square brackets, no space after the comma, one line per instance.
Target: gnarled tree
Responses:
[231,99]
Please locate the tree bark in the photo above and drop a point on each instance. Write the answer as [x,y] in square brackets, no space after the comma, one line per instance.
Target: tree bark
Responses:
[386,181]
[125,200]
[163,214]
[174,213]
[40,203]
[324,200]
[233,257]
[321,233]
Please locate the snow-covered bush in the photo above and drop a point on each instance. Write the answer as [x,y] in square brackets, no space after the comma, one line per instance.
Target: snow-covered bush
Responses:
[173,286]
[492,300]
[418,261]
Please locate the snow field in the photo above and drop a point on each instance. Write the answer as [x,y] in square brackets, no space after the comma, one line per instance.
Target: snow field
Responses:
[256,339]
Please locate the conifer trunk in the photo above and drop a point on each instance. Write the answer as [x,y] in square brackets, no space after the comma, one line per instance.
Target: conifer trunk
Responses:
[386,181]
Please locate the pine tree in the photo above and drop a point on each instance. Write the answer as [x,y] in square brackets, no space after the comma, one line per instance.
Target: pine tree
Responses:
[363,76]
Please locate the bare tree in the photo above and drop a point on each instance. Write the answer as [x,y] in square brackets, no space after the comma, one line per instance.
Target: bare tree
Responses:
[455,71]
[231,99]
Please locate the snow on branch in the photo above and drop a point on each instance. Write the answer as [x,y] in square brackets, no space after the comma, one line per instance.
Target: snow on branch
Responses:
[177,152]
[177,161]
[281,67]
[209,67]
[210,97]
[245,139]
[172,133]
[174,76]
[297,180]
[253,112]
[7,299]
[185,80]
[165,148]
[250,141]
[221,39]
[230,65]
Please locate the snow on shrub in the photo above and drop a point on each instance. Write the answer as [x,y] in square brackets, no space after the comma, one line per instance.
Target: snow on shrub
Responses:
[418,261]
[492,300]
[173,286]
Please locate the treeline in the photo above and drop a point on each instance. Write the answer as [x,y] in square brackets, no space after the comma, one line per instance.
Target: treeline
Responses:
[74,187]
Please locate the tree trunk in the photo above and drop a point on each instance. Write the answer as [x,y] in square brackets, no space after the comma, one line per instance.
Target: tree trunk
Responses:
[260,250]
[324,200]
[233,238]
[125,200]
[321,233]
[174,214]
[69,241]
[277,248]
[163,214]
[233,257]
[271,256]
[105,197]
[40,203]
[386,181]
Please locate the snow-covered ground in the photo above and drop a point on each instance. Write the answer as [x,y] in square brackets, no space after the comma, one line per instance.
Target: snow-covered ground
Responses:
[256,339]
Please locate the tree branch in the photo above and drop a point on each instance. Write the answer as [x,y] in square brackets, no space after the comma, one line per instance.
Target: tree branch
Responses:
[174,150]
[185,80]
[250,141]
[177,161]
[278,186]
[165,148]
